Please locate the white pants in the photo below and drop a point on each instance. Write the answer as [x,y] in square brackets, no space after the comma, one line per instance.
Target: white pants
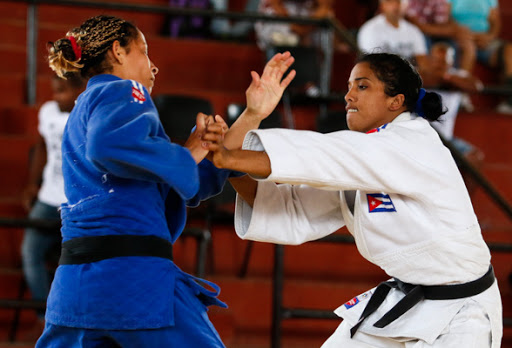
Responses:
[470,328]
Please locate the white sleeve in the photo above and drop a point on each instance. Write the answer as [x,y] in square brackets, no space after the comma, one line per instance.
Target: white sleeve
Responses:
[286,214]
[401,161]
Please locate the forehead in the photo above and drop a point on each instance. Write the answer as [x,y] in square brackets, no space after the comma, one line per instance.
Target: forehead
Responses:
[362,71]
[141,38]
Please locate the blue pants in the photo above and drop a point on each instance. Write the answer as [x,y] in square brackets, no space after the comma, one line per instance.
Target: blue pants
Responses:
[34,250]
[192,328]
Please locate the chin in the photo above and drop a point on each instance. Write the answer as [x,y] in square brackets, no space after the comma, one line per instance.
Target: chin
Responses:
[352,124]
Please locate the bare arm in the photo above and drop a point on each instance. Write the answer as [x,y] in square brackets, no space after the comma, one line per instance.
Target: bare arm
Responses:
[484,39]
[35,175]
[255,163]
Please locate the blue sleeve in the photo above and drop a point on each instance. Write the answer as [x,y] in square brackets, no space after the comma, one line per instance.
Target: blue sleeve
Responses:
[125,138]
[211,182]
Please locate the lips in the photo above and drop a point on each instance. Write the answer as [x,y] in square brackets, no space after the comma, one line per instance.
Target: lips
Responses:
[351,109]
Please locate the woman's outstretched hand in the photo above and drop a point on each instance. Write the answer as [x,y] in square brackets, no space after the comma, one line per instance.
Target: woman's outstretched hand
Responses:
[265,91]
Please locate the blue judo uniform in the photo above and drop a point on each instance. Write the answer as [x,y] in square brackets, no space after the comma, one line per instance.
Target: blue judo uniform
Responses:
[124,176]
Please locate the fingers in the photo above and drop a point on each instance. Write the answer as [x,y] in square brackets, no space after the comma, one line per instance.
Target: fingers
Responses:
[214,129]
[276,68]
[286,63]
[220,120]
[286,81]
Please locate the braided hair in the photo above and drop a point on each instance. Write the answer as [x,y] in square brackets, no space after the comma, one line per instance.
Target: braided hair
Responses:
[84,48]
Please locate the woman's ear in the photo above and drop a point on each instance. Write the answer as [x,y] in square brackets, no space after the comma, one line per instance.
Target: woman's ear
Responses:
[117,53]
[397,102]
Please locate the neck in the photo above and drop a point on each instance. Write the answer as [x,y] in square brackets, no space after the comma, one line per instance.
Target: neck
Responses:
[393,21]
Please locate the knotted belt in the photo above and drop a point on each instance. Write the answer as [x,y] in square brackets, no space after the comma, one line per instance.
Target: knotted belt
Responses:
[416,293]
[96,248]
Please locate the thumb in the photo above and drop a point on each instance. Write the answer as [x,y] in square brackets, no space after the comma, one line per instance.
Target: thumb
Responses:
[200,122]
[255,78]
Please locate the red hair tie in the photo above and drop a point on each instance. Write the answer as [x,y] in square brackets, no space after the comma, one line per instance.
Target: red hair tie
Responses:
[76,49]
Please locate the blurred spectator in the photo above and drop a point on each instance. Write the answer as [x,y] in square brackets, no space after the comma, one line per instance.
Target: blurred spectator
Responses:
[188,26]
[482,18]
[288,34]
[389,32]
[451,83]
[432,17]
[45,190]
[226,29]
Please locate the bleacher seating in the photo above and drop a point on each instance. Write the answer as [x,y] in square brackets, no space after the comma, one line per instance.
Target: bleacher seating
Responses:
[219,71]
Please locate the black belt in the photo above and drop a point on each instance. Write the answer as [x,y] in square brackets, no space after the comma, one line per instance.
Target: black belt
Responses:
[97,248]
[416,293]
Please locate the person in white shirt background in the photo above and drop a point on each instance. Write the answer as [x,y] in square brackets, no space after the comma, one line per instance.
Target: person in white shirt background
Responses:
[397,189]
[44,192]
[389,32]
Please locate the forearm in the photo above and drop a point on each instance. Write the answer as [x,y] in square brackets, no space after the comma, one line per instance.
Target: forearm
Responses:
[447,30]
[255,163]
[495,26]
[246,122]
[246,187]
[37,164]
[465,83]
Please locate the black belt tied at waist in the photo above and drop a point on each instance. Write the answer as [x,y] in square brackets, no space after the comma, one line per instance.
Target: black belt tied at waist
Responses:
[416,293]
[96,248]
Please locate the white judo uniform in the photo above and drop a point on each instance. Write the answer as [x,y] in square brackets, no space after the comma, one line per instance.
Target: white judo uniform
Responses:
[410,214]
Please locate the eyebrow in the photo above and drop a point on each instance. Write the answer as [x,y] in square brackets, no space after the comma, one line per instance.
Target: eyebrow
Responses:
[359,79]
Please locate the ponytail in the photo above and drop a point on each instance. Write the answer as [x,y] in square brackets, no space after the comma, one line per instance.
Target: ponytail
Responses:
[432,106]
[429,105]
[64,56]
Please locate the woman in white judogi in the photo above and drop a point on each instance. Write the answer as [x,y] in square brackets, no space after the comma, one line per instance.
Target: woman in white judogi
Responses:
[396,187]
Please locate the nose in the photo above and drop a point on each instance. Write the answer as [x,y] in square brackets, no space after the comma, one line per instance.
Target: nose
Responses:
[349,97]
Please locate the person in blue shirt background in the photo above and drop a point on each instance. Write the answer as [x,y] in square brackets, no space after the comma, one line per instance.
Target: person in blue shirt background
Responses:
[127,188]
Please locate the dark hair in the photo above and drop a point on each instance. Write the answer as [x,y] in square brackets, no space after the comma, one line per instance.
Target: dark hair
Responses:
[400,77]
[84,48]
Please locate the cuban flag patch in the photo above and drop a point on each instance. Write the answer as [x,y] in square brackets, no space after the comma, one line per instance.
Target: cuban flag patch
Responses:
[351,303]
[138,92]
[379,202]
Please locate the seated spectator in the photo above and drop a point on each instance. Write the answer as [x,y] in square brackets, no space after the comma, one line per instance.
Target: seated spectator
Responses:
[195,27]
[225,29]
[483,20]
[440,76]
[44,200]
[270,34]
[432,17]
[389,32]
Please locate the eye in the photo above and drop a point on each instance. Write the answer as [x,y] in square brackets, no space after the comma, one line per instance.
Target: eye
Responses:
[362,87]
